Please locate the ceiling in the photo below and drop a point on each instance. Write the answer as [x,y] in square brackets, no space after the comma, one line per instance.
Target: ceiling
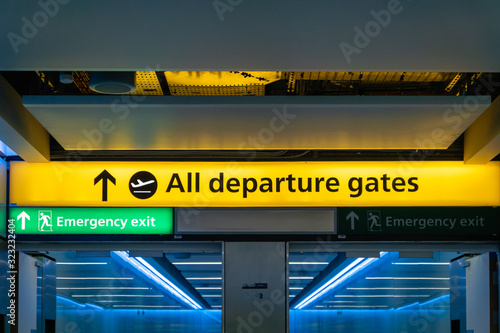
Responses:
[292,36]
[251,50]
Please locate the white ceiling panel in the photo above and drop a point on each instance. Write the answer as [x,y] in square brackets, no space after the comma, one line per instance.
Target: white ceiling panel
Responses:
[232,123]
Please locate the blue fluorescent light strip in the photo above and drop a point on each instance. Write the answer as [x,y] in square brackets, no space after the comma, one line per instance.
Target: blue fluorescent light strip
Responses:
[146,306]
[144,267]
[70,301]
[396,288]
[343,275]
[408,306]
[360,306]
[423,304]
[6,150]
[79,304]
[422,263]
[395,296]
[320,291]
[90,305]
[173,288]
[435,300]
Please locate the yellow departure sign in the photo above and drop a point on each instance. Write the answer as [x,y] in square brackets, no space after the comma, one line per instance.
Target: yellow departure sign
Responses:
[255,184]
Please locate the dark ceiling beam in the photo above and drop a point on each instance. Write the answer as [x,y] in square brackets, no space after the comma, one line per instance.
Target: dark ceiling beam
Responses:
[482,138]
[166,268]
[335,265]
[19,130]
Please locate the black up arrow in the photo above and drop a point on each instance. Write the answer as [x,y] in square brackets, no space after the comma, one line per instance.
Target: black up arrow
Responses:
[104,176]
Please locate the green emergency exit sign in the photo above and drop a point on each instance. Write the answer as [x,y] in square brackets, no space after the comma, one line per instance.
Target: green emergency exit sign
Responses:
[91,221]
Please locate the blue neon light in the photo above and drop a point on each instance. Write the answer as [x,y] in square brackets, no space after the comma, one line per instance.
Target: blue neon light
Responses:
[427,303]
[325,287]
[447,296]
[6,150]
[353,268]
[149,271]
[67,300]
[90,305]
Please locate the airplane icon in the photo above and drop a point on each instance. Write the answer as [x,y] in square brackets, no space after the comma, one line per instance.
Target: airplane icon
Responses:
[143,185]
[140,183]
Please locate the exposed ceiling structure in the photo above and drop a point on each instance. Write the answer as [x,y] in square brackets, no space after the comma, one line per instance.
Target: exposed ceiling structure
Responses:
[211,123]
[220,83]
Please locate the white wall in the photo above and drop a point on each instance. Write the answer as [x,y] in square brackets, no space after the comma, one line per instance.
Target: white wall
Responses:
[27,293]
[478,294]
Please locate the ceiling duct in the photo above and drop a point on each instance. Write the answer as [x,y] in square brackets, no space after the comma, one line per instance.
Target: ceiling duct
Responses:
[220,83]
[112,82]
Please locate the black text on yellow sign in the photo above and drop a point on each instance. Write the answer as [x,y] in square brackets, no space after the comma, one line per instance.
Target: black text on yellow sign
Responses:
[255,184]
[291,184]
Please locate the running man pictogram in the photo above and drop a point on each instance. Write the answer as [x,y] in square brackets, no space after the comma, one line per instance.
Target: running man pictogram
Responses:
[45,218]
[374,220]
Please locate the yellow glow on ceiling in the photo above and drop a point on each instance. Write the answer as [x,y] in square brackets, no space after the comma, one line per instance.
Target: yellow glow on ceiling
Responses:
[230,78]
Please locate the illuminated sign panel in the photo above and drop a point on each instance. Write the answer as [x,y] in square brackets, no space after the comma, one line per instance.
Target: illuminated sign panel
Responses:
[91,221]
[378,221]
[255,184]
[3,197]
